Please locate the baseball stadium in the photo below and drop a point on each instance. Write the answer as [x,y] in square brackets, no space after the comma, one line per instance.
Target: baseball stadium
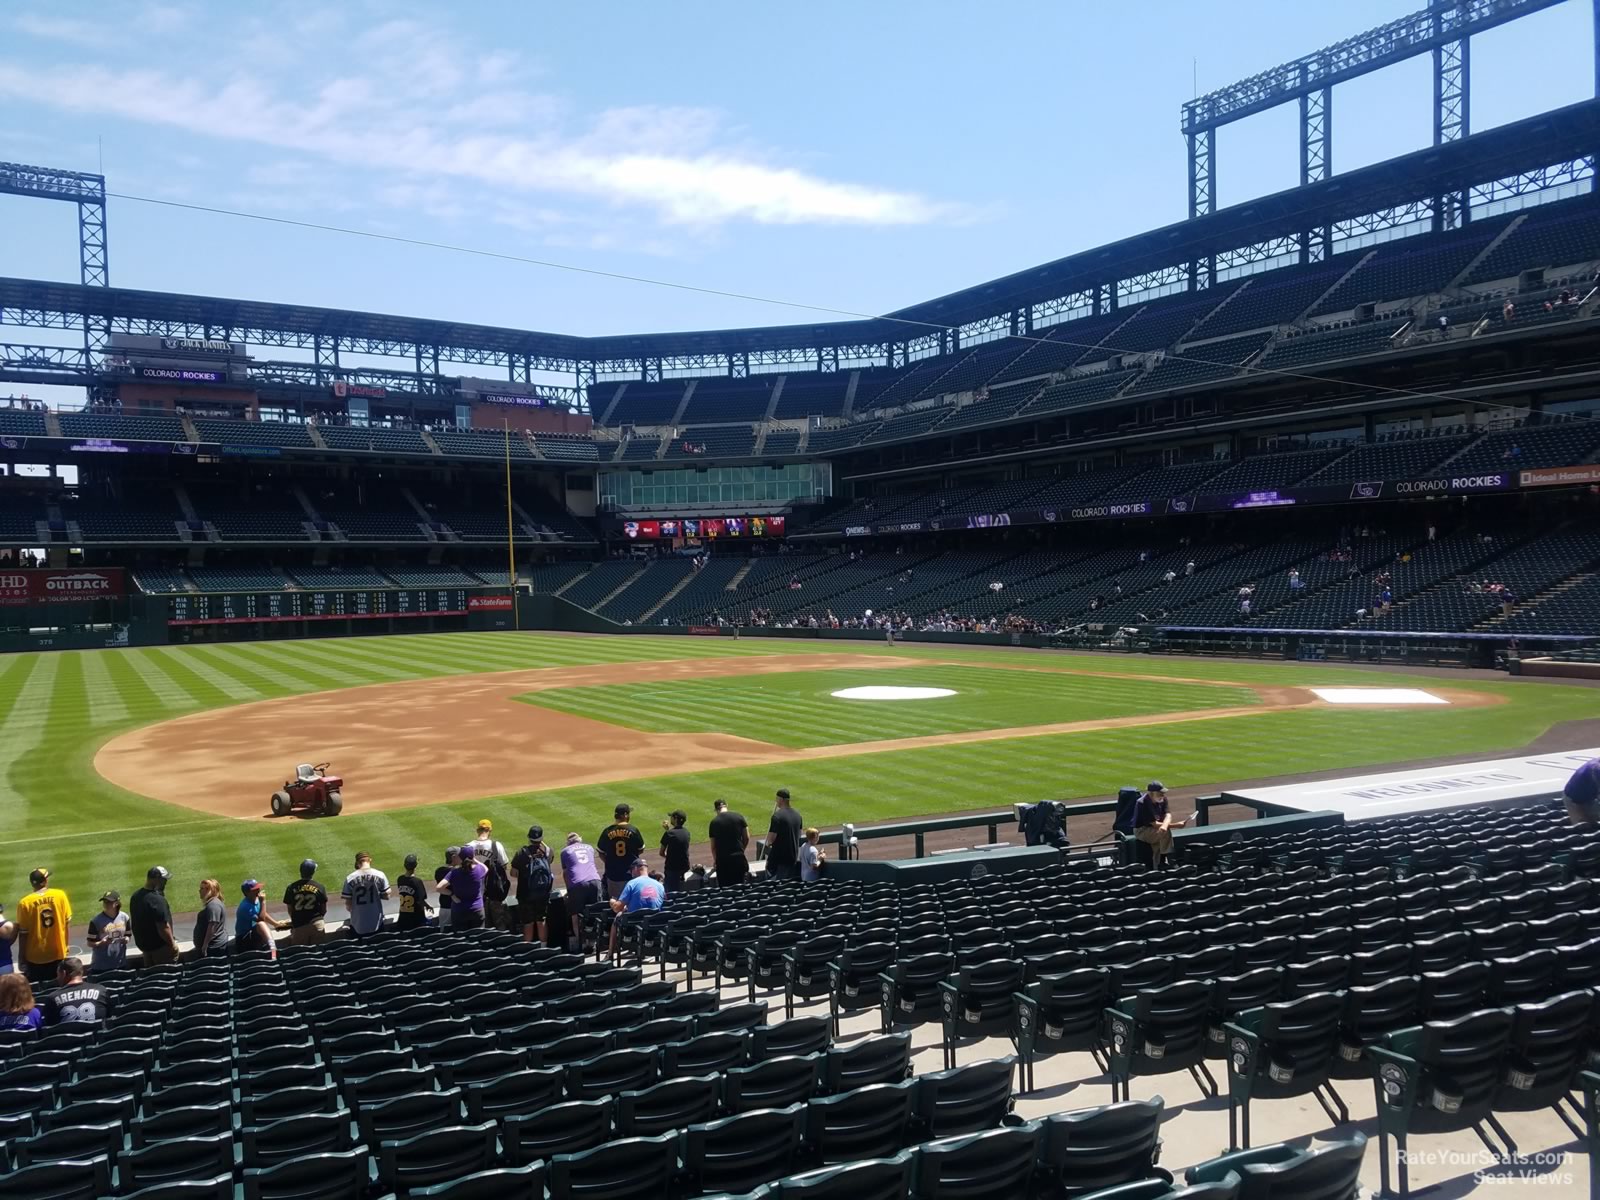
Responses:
[1177,665]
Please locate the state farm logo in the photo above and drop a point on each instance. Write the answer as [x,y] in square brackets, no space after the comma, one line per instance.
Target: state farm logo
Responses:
[85,582]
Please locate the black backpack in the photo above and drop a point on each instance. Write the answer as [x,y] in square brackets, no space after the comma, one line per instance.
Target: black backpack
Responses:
[533,866]
[497,883]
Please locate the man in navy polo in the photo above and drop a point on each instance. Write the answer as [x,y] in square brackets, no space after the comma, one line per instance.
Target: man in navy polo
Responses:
[1582,794]
[1153,824]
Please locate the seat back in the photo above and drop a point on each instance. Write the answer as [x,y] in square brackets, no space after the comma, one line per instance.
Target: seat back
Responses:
[669,1105]
[995,1163]
[775,1083]
[1102,1147]
[559,1129]
[609,1073]
[869,1122]
[516,1092]
[886,1178]
[884,1059]
[965,1099]
[636,1168]
[1283,1172]
[500,1183]
[738,1153]
[314,1177]
[797,1035]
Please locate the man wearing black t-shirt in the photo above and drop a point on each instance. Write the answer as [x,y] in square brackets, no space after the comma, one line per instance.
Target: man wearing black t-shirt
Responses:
[76,1002]
[730,834]
[413,893]
[784,836]
[307,902]
[151,919]
[675,850]
[619,844]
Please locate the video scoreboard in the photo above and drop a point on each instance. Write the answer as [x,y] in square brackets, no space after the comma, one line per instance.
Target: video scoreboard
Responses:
[225,608]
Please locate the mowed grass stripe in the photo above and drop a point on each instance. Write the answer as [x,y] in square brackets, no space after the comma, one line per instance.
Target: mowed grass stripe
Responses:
[52,691]
[163,684]
[210,687]
[107,703]
[278,672]
[799,709]
[235,668]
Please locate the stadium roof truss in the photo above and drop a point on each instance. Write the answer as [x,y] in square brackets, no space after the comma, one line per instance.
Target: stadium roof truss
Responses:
[1547,156]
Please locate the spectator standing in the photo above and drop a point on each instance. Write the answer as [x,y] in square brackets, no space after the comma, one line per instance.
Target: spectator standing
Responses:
[582,877]
[784,836]
[1582,794]
[452,860]
[44,916]
[464,886]
[211,936]
[497,879]
[108,936]
[730,834]
[531,867]
[695,880]
[620,843]
[675,849]
[812,858]
[252,926]
[76,1002]
[639,894]
[365,890]
[1152,823]
[413,893]
[307,902]
[17,1009]
[151,919]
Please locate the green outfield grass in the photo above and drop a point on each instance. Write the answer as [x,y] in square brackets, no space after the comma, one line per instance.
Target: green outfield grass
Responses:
[57,708]
[799,709]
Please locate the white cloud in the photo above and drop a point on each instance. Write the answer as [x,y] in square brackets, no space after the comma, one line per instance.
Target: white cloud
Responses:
[62,29]
[466,118]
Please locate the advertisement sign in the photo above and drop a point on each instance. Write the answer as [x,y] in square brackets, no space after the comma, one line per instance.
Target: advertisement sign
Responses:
[481,603]
[1557,476]
[199,345]
[252,451]
[1452,484]
[56,586]
[180,375]
[114,446]
[511,400]
[1133,508]
[344,389]
[706,527]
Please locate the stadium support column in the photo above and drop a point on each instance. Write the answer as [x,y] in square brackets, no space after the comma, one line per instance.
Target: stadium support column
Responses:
[325,354]
[94,267]
[1452,115]
[1202,171]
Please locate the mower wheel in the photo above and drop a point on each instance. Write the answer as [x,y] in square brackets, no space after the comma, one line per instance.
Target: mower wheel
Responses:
[333,805]
[281,804]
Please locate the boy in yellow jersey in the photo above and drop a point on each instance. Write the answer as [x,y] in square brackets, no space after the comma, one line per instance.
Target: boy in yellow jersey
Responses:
[43,917]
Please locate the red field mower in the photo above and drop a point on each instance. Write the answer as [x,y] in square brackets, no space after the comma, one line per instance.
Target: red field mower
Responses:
[312,791]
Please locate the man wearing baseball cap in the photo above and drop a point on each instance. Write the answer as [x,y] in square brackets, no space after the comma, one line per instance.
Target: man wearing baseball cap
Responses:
[43,918]
[1153,825]
[152,920]
[253,927]
[307,902]
[639,894]
[497,878]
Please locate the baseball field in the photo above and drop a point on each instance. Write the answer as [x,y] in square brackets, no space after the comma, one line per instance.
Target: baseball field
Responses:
[113,760]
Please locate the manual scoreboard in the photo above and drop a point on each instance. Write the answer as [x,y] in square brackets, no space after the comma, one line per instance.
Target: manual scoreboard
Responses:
[226,608]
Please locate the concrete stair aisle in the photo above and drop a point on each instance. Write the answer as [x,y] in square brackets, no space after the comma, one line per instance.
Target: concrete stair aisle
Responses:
[645,616]
[619,589]
[52,424]
[189,429]
[1535,600]
[316,437]
[615,396]
[850,393]
[579,576]
[733,584]
[683,403]
[1494,242]
[772,400]
[427,440]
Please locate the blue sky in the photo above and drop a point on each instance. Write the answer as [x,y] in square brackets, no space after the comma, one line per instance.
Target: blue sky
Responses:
[863,156]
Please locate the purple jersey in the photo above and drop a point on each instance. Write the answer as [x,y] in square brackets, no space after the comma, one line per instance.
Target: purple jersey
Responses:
[577,864]
[466,887]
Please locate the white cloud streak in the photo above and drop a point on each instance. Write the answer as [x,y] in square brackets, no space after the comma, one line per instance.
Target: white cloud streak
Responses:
[466,117]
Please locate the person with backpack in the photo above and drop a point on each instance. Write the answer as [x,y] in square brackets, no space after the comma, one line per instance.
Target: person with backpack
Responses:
[497,880]
[531,867]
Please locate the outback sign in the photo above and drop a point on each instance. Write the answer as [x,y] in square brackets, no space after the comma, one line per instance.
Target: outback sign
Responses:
[48,586]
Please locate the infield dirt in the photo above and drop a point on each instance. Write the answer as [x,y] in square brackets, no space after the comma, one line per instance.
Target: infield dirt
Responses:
[466,737]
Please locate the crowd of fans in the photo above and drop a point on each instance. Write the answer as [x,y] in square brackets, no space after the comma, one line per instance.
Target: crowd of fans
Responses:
[480,883]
